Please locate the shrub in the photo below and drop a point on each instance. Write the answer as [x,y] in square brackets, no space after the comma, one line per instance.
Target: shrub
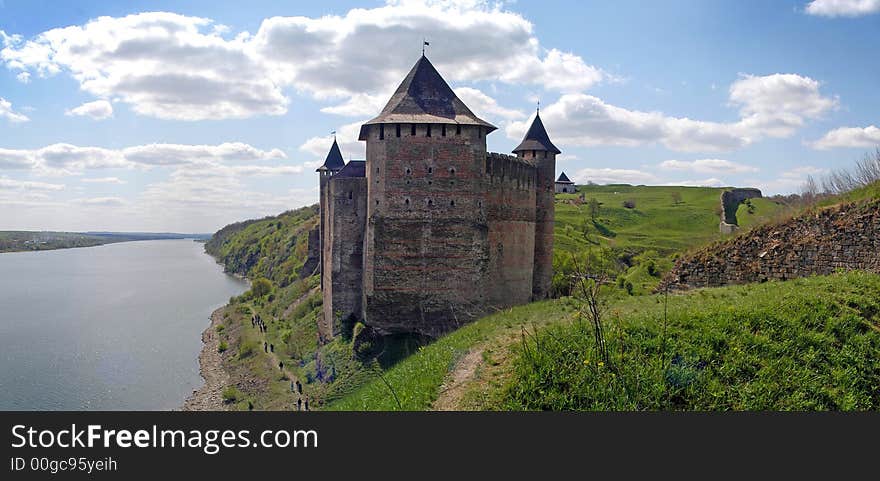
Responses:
[246,349]
[629,204]
[222,347]
[231,394]
[261,287]
[629,287]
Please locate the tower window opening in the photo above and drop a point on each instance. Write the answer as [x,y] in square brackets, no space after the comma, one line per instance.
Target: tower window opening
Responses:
[452,203]
[443,130]
[452,170]
[428,131]
[397,129]
[458,130]
[412,130]
[430,202]
[479,132]
[377,201]
[545,154]
[349,195]
[408,171]
[381,131]
[406,201]
[430,170]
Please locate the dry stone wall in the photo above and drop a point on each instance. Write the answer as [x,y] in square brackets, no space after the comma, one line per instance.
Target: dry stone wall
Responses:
[817,243]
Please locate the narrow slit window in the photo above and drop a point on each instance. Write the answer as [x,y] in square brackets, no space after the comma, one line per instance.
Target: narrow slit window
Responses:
[381,131]
[412,130]
[397,129]
[430,202]
[452,170]
[428,131]
[406,201]
[349,195]
[443,130]
[430,170]
[458,130]
[452,203]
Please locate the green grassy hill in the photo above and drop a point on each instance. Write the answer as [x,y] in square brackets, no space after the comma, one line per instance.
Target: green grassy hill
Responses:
[803,344]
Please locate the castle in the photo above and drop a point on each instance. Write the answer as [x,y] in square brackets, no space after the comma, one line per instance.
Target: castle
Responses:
[431,230]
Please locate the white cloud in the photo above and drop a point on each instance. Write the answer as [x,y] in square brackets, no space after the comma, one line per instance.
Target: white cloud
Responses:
[24,185]
[788,181]
[612,176]
[346,136]
[102,201]
[97,110]
[843,8]
[849,137]
[485,106]
[180,67]
[770,106]
[712,182]
[67,158]
[103,180]
[708,166]
[10,115]
[23,77]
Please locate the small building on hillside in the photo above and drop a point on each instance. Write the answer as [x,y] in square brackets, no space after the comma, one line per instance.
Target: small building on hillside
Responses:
[565,186]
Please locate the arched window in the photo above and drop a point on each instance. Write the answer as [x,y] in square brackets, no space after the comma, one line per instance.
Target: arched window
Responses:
[452,170]
[430,202]
[408,171]
[406,201]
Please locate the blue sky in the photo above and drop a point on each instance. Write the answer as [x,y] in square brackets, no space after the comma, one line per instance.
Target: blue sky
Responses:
[185,116]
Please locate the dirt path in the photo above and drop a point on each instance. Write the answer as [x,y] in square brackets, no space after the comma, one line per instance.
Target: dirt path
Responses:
[455,385]
[209,397]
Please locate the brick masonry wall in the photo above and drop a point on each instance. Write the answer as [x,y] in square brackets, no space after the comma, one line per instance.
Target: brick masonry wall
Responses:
[511,215]
[346,199]
[843,237]
[426,248]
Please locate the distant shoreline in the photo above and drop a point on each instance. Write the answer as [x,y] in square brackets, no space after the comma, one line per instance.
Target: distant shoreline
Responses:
[37,241]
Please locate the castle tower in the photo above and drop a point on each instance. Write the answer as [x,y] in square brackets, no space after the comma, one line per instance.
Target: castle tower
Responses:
[332,165]
[426,243]
[537,148]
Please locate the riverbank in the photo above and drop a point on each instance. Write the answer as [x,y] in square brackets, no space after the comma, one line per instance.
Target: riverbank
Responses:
[209,397]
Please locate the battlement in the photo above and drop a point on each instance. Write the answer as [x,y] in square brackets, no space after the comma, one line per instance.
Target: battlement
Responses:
[510,170]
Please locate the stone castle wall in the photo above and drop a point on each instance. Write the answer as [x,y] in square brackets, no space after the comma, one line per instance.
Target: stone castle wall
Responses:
[426,249]
[844,237]
[510,204]
[342,257]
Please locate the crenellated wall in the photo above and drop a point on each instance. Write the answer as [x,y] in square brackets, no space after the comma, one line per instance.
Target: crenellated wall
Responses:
[843,237]
[510,210]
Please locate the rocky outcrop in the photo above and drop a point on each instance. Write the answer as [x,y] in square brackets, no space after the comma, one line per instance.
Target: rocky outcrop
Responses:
[819,242]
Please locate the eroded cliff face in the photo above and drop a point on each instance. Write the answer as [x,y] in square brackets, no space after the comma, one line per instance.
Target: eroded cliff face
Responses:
[816,243]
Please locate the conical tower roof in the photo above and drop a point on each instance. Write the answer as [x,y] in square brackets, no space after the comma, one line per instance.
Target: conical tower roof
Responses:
[425,98]
[536,138]
[334,160]
[563,179]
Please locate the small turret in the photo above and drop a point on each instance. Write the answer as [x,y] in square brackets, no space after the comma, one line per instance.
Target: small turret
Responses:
[537,148]
[332,165]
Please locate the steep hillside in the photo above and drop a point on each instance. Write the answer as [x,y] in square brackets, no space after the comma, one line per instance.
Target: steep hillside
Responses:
[273,247]
[819,241]
[806,344]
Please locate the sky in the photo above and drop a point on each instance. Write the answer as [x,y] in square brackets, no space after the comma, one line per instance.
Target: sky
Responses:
[187,116]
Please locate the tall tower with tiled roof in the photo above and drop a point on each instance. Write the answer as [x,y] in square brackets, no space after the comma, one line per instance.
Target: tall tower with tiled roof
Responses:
[426,245]
[537,148]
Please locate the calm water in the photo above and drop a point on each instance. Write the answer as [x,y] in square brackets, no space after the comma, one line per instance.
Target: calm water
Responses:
[110,327]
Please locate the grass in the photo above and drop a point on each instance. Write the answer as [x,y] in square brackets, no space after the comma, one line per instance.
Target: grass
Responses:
[805,344]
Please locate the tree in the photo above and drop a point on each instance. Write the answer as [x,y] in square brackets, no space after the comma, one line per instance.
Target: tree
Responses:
[261,287]
[676,198]
[593,207]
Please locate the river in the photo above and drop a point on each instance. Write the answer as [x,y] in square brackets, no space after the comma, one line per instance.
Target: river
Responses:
[113,327]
